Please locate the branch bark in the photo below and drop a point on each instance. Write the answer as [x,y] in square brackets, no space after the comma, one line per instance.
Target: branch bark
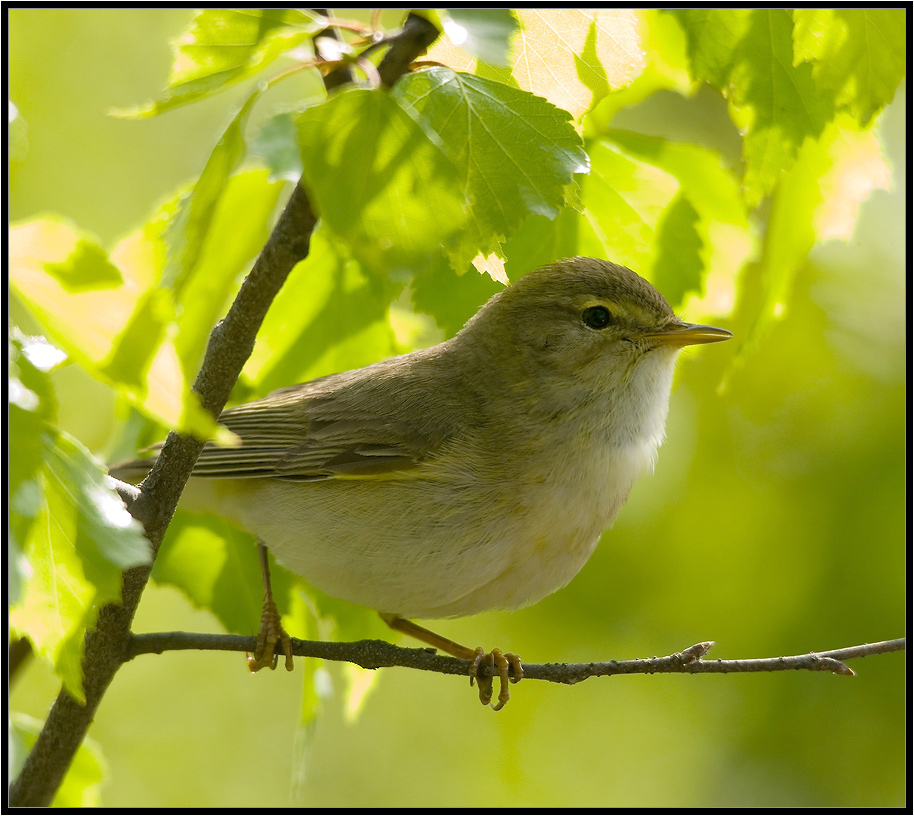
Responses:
[230,345]
[375,654]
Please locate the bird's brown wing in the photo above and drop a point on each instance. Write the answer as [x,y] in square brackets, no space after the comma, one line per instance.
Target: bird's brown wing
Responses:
[359,424]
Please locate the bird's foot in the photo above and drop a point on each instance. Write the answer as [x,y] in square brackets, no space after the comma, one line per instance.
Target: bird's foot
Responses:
[271,633]
[484,666]
[507,667]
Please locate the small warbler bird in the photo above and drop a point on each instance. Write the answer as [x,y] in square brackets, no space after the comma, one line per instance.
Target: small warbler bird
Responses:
[472,475]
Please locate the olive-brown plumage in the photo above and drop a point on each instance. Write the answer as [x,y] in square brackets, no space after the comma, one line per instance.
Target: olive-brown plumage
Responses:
[475,474]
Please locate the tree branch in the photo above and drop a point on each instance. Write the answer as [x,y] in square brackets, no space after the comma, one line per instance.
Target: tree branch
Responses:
[413,40]
[230,345]
[376,654]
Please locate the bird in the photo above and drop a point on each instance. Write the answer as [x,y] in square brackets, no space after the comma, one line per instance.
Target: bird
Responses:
[477,474]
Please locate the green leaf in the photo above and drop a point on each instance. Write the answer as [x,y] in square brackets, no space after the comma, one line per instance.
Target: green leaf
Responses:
[791,234]
[86,268]
[224,46]
[109,535]
[700,171]
[450,298]
[817,198]
[678,267]
[506,172]
[217,566]
[88,770]
[378,181]
[187,231]
[49,241]
[857,54]
[32,411]
[720,235]
[44,241]
[237,229]
[125,344]
[483,32]
[590,71]
[135,341]
[574,56]
[623,202]
[540,241]
[331,315]
[136,346]
[276,142]
[714,39]
[663,43]
[748,55]
[81,540]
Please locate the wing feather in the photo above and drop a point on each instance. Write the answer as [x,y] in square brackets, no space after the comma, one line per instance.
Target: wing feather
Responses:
[383,420]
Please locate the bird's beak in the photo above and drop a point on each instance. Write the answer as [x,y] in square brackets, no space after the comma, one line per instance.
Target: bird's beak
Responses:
[688,334]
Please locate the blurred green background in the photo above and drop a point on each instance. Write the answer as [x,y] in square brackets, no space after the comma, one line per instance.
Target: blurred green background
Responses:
[774,524]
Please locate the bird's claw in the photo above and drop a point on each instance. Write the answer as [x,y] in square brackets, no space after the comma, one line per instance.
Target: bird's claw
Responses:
[507,667]
[271,633]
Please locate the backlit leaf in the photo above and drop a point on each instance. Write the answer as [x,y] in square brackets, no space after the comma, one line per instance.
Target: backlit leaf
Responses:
[514,151]
[665,66]
[187,230]
[857,54]
[331,315]
[378,181]
[748,55]
[53,241]
[720,235]
[572,57]
[858,168]
[623,201]
[80,541]
[236,232]
[126,343]
[86,268]
[223,46]
[32,411]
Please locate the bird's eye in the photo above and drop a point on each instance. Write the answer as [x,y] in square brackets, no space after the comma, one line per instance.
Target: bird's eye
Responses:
[597,317]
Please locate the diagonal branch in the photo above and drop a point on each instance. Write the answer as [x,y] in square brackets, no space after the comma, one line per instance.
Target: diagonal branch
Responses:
[375,654]
[230,345]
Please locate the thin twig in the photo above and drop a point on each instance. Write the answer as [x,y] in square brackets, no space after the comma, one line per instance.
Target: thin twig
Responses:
[375,654]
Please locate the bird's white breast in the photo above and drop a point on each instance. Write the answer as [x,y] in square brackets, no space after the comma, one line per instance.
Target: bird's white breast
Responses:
[438,546]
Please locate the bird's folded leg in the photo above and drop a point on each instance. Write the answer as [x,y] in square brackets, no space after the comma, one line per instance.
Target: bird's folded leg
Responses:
[507,667]
[271,631]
